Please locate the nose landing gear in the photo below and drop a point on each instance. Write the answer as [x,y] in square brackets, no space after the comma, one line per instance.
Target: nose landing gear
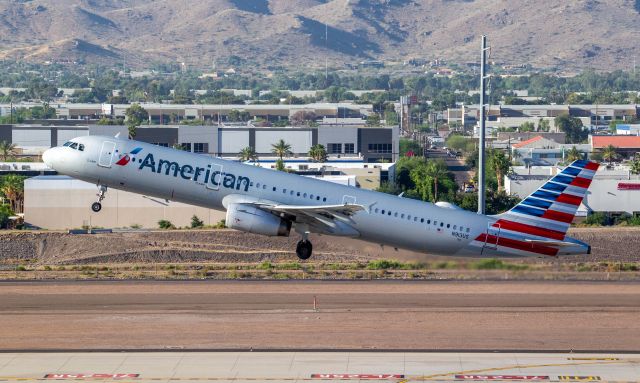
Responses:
[97,206]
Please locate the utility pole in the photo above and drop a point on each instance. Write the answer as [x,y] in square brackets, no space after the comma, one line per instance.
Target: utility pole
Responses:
[481,143]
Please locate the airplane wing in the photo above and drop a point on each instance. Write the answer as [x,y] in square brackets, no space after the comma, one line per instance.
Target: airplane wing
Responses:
[329,219]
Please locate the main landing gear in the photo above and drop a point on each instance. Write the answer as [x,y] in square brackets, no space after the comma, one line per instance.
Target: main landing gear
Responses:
[304,248]
[97,206]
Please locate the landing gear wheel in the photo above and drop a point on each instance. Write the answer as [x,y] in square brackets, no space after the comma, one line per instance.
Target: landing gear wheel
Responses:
[96,206]
[304,249]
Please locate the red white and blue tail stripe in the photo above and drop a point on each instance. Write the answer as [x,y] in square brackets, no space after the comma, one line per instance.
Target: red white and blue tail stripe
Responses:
[540,222]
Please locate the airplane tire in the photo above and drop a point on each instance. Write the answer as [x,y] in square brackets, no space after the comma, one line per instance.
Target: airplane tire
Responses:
[96,206]
[304,249]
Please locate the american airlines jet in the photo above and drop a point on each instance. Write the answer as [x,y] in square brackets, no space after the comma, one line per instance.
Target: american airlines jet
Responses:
[272,203]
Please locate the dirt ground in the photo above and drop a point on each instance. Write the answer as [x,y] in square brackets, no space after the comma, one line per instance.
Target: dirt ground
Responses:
[57,248]
[363,315]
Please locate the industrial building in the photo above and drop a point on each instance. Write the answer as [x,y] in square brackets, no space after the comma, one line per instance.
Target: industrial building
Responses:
[369,144]
[160,113]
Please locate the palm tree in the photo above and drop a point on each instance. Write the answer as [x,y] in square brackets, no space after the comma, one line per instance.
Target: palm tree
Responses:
[437,170]
[609,153]
[501,165]
[13,189]
[573,154]
[7,149]
[281,149]
[318,153]
[248,154]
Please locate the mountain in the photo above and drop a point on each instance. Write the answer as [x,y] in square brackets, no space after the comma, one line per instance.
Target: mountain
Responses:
[567,35]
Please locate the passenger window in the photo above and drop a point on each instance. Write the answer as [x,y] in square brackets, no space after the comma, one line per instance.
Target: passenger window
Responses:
[468,230]
[448,225]
[81,148]
[258,185]
[324,199]
[441,224]
[298,194]
[284,191]
[292,192]
[409,217]
[274,188]
[421,220]
[311,196]
[435,223]
[402,215]
[377,210]
[389,213]
[304,195]
[382,211]
[415,219]
[455,227]
[395,214]
[428,221]
[318,198]
[264,187]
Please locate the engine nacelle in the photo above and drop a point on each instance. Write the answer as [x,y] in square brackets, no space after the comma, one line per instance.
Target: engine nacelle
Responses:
[249,218]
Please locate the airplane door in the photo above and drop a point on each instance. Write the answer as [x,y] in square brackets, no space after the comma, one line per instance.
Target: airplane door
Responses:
[347,199]
[215,179]
[492,238]
[106,154]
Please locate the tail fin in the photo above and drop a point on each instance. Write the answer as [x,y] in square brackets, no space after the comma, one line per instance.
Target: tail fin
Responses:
[548,211]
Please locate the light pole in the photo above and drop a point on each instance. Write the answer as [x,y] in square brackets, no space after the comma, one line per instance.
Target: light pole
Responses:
[481,143]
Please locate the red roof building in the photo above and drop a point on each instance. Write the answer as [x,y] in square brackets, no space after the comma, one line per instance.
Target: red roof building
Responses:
[620,142]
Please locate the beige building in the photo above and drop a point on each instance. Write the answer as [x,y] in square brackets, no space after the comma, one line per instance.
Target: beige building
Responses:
[60,203]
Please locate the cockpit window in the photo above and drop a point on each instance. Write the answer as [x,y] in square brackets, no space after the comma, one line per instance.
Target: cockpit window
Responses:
[74,145]
[68,143]
[81,148]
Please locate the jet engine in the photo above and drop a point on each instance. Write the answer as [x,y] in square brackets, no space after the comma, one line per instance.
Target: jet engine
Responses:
[249,218]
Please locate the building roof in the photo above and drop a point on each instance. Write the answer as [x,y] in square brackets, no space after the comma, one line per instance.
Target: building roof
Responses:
[527,142]
[623,142]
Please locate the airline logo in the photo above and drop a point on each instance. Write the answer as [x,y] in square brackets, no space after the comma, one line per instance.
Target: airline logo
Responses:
[124,159]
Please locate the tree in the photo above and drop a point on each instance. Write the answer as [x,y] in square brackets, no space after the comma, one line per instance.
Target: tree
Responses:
[318,153]
[609,153]
[373,120]
[635,166]
[573,154]
[196,222]
[408,146]
[281,149]
[500,165]
[7,149]
[303,117]
[430,178]
[165,224]
[572,127]
[527,126]
[280,165]
[248,154]
[135,116]
[13,189]
[543,125]
[5,213]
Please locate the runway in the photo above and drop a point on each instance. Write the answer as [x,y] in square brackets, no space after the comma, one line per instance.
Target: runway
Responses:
[363,315]
[323,367]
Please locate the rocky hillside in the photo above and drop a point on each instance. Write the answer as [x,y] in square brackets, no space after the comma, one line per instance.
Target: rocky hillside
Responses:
[570,34]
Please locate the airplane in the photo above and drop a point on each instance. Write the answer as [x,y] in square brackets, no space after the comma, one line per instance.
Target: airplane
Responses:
[274,203]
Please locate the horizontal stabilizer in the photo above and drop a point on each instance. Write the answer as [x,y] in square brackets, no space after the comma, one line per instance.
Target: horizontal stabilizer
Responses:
[550,243]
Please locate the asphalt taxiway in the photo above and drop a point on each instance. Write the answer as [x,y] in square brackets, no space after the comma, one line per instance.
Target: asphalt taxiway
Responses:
[311,366]
[364,315]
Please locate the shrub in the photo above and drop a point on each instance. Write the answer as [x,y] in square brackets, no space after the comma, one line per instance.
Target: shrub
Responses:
[136,226]
[164,224]
[496,264]
[383,264]
[597,218]
[196,223]
[220,225]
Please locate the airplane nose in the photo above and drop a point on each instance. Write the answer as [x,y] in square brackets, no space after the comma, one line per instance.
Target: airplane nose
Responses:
[47,157]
